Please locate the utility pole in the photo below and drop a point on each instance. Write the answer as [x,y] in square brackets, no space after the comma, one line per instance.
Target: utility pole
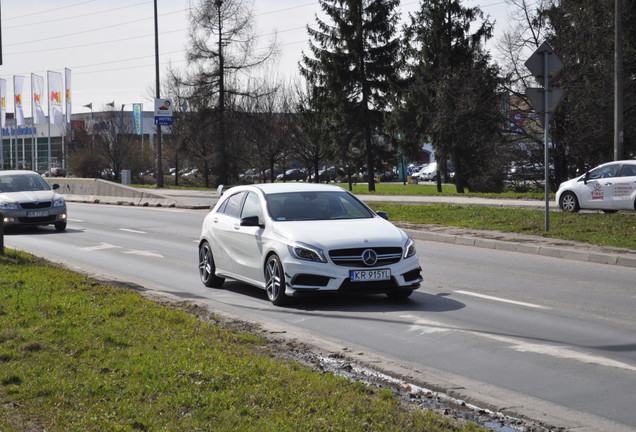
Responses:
[221,162]
[159,174]
[618,80]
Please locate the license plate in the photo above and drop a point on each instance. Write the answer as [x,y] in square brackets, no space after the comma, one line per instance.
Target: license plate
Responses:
[39,213]
[369,275]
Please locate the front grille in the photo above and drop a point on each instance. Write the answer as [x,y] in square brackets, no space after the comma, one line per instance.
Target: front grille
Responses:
[35,205]
[353,257]
[37,220]
[310,280]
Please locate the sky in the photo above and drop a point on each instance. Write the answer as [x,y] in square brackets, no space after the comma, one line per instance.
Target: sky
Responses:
[109,44]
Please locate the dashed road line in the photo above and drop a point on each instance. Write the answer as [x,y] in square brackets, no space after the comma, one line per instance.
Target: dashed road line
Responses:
[502,300]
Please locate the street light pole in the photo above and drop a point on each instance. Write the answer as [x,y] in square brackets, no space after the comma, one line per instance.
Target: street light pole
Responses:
[159,174]
[618,80]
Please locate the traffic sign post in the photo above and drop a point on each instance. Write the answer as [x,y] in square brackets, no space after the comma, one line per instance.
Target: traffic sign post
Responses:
[163,112]
[545,65]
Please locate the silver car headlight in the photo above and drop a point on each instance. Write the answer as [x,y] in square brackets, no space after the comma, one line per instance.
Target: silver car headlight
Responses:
[58,202]
[307,252]
[6,205]
[409,248]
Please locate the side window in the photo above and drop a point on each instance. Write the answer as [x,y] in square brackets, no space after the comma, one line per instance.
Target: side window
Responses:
[628,170]
[252,207]
[604,172]
[232,207]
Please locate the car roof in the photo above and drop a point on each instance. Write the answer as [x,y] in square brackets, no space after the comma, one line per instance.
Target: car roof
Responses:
[627,161]
[272,188]
[17,172]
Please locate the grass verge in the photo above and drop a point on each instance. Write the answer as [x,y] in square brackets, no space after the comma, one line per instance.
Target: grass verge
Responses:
[615,230]
[79,355]
[431,189]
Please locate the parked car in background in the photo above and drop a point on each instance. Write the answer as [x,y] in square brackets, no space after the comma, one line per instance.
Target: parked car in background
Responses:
[429,173]
[292,174]
[26,199]
[415,172]
[609,187]
[55,172]
[297,238]
[328,174]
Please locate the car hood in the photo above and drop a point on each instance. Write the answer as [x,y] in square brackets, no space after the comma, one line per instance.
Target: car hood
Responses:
[342,233]
[42,195]
[569,183]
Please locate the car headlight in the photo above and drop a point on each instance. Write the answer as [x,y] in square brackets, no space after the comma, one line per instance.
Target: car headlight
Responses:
[409,248]
[307,252]
[6,205]
[58,202]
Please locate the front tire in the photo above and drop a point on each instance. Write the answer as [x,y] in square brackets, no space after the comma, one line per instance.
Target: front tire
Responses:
[569,202]
[60,226]
[207,268]
[275,281]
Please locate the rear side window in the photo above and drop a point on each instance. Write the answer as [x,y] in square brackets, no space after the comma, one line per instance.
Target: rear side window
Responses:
[628,170]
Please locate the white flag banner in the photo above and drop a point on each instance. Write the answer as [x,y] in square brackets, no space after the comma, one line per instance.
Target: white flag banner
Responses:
[37,88]
[3,104]
[18,84]
[67,73]
[56,89]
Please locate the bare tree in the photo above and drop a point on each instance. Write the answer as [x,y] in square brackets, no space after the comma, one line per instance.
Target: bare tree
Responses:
[223,50]
[114,140]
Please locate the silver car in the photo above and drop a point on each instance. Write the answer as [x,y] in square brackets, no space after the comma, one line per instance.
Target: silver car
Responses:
[26,199]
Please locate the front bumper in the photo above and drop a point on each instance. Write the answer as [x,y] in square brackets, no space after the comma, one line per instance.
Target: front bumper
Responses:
[23,217]
[306,277]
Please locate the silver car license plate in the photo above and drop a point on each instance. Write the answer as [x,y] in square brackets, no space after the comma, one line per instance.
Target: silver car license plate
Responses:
[369,275]
[38,213]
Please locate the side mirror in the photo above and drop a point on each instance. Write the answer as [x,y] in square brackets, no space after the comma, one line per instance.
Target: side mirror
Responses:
[383,214]
[251,221]
[587,177]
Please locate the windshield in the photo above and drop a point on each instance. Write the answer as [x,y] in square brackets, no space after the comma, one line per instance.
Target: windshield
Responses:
[22,183]
[293,206]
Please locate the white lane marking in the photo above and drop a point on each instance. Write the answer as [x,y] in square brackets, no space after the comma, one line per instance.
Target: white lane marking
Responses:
[75,220]
[426,326]
[143,253]
[502,300]
[133,231]
[103,246]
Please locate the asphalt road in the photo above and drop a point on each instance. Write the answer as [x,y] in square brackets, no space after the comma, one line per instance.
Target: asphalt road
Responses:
[550,339]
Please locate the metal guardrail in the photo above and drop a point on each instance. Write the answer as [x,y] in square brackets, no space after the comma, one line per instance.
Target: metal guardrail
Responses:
[1,234]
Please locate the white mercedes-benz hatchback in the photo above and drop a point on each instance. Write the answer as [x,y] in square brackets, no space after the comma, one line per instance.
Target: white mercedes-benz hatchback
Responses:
[291,239]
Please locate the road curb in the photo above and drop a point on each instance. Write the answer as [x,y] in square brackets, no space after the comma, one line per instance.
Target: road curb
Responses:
[532,249]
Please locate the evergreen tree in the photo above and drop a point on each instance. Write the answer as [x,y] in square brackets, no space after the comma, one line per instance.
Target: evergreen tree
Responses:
[582,34]
[353,66]
[451,96]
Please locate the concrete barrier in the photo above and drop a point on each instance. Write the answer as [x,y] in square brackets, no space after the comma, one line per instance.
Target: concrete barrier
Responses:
[106,192]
